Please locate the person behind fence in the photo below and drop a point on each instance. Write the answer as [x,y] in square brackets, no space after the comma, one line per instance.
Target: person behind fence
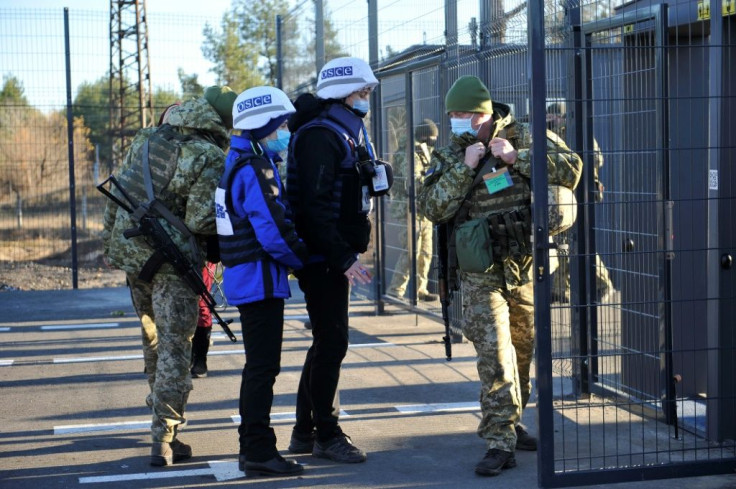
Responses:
[556,122]
[186,158]
[331,178]
[258,247]
[425,138]
[480,183]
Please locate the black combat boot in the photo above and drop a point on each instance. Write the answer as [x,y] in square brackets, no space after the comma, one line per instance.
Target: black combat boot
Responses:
[495,461]
[200,347]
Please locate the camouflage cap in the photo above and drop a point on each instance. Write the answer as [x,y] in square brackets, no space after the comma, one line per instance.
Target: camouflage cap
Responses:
[222,99]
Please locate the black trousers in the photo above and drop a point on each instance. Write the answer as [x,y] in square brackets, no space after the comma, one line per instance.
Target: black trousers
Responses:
[327,294]
[263,331]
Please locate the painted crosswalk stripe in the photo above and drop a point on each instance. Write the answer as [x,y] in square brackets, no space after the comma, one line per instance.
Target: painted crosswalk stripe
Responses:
[85,428]
[59,327]
[439,407]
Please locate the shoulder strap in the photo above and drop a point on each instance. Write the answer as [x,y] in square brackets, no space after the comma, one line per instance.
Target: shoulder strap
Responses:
[158,206]
[462,214]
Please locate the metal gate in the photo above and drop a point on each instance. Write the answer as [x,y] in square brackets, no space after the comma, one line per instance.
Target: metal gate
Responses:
[635,342]
[625,399]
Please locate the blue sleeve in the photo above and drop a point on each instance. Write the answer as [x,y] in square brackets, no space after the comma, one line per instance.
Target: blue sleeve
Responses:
[256,194]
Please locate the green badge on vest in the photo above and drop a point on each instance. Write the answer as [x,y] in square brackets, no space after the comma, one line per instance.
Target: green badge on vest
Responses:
[498,180]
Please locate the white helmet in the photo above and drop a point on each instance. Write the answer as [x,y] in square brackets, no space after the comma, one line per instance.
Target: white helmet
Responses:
[256,106]
[340,77]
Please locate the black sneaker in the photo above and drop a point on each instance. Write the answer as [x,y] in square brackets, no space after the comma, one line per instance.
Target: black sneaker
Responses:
[163,454]
[276,467]
[340,448]
[301,442]
[525,441]
[494,462]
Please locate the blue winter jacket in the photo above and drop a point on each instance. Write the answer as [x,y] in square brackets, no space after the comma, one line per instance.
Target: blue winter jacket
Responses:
[258,242]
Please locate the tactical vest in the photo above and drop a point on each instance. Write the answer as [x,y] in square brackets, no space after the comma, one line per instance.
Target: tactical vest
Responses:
[341,122]
[163,154]
[239,244]
[508,211]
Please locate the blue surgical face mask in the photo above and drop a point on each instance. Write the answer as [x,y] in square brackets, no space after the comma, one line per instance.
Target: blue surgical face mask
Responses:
[280,143]
[362,106]
[461,126]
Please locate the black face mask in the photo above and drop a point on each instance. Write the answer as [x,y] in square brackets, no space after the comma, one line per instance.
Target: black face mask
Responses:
[431,142]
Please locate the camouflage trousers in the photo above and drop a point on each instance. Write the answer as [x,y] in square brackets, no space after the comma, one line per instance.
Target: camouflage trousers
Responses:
[560,279]
[500,324]
[168,310]
[423,249]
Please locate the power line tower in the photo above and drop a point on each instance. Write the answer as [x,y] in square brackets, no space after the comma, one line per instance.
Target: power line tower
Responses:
[131,99]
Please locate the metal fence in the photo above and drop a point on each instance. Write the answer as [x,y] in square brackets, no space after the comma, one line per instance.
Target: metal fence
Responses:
[636,345]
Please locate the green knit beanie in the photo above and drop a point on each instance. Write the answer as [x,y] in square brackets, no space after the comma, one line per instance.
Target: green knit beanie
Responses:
[222,99]
[468,94]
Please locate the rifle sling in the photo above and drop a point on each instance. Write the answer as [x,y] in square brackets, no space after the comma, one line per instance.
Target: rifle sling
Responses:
[161,209]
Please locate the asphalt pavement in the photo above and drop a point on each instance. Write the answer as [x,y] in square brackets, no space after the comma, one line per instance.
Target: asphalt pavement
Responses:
[73,413]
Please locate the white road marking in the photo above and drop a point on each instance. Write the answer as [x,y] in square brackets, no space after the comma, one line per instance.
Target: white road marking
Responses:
[6,363]
[211,353]
[97,359]
[439,407]
[85,428]
[288,317]
[79,326]
[225,352]
[284,416]
[222,470]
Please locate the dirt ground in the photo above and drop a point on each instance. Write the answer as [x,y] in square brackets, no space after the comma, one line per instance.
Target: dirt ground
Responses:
[36,276]
[54,272]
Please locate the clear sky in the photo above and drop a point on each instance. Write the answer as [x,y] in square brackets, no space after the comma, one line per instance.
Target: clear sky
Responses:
[26,53]
[31,37]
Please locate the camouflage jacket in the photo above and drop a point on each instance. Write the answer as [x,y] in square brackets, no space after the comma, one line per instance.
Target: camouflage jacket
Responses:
[449,181]
[598,161]
[402,183]
[189,194]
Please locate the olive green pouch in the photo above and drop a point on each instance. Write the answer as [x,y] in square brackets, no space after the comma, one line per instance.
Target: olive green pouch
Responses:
[473,246]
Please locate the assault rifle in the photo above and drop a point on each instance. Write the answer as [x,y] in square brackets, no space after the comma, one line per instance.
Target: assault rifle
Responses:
[443,277]
[166,251]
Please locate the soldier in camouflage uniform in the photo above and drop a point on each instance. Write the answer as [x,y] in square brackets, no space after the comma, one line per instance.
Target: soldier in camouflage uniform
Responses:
[425,137]
[484,173]
[556,113]
[186,158]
